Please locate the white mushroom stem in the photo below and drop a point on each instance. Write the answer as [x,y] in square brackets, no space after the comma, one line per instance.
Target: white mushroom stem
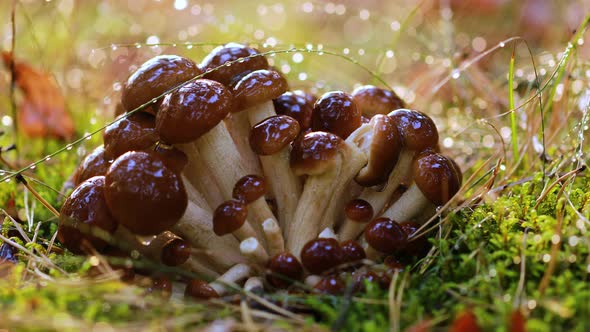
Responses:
[199,176]
[260,112]
[244,232]
[312,280]
[196,227]
[197,266]
[378,199]
[253,251]
[320,197]
[254,284]
[258,213]
[409,205]
[194,195]
[239,128]
[274,237]
[230,278]
[328,233]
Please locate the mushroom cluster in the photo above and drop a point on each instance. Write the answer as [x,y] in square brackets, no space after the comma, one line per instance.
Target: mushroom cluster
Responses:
[233,177]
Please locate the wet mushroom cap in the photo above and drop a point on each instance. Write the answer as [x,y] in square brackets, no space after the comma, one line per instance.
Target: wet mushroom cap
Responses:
[314,153]
[372,100]
[385,235]
[82,211]
[228,53]
[175,252]
[130,133]
[417,246]
[285,269]
[249,188]
[353,251]
[332,285]
[229,217]
[161,284]
[436,177]
[200,289]
[257,87]
[321,254]
[296,104]
[193,110]
[336,112]
[273,134]
[416,129]
[174,158]
[358,210]
[155,77]
[93,164]
[384,151]
[144,194]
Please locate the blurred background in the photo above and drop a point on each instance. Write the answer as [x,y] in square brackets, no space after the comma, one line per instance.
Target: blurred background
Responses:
[449,58]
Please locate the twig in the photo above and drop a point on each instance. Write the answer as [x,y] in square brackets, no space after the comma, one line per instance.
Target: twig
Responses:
[13,76]
[42,200]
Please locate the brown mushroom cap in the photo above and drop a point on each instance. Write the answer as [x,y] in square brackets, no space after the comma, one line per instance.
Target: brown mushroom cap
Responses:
[84,209]
[191,111]
[416,247]
[228,53]
[337,113]
[285,269]
[298,105]
[436,177]
[93,164]
[321,254]
[385,235]
[314,153]
[358,210]
[229,217]
[144,194]
[373,100]
[353,251]
[154,77]
[174,158]
[273,134]
[249,188]
[175,252]
[161,284]
[332,285]
[130,133]
[416,129]
[200,289]
[384,150]
[257,87]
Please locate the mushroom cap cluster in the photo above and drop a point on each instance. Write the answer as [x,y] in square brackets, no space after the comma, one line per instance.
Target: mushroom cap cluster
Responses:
[237,179]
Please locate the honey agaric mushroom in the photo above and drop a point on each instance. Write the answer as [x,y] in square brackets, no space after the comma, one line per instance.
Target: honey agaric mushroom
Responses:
[230,218]
[372,100]
[332,285]
[129,132]
[94,164]
[353,251]
[284,269]
[274,236]
[330,164]
[83,214]
[358,213]
[435,182]
[254,251]
[385,236]
[202,290]
[320,255]
[337,113]
[271,139]
[298,105]
[153,78]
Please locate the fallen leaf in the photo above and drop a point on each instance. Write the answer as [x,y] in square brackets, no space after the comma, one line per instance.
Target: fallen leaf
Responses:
[465,322]
[42,112]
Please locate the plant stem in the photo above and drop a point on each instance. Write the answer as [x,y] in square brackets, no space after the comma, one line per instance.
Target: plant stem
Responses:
[511,105]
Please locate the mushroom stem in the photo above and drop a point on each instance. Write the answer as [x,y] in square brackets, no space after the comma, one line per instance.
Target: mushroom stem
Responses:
[239,128]
[328,233]
[254,285]
[254,251]
[200,268]
[274,238]
[195,195]
[198,174]
[232,276]
[410,204]
[260,112]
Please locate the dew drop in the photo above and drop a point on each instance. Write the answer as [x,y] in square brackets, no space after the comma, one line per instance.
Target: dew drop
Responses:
[502,44]
[69,147]
[456,73]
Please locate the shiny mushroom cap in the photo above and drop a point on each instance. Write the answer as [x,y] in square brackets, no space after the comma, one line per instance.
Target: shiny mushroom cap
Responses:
[155,77]
[383,144]
[321,254]
[353,251]
[84,211]
[200,289]
[436,177]
[332,285]
[229,217]
[191,111]
[285,268]
[144,194]
[173,157]
[273,134]
[175,252]
[385,235]
[130,133]
[298,105]
[373,100]
[359,210]
[336,112]
[249,188]
[315,153]
[416,129]
[231,52]
[258,87]
[94,164]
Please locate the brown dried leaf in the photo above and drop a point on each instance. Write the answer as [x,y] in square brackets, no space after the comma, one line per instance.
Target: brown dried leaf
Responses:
[42,112]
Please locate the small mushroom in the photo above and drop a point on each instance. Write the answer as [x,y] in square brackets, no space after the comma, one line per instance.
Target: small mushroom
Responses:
[250,189]
[332,285]
[230,218]
[130,133]
[200,289]
[353,251]
[94,164]
[372,100]
[385,236]
[153,78]
[244,59]
[284,269]
[336,112]
[298,105]
[320,255]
